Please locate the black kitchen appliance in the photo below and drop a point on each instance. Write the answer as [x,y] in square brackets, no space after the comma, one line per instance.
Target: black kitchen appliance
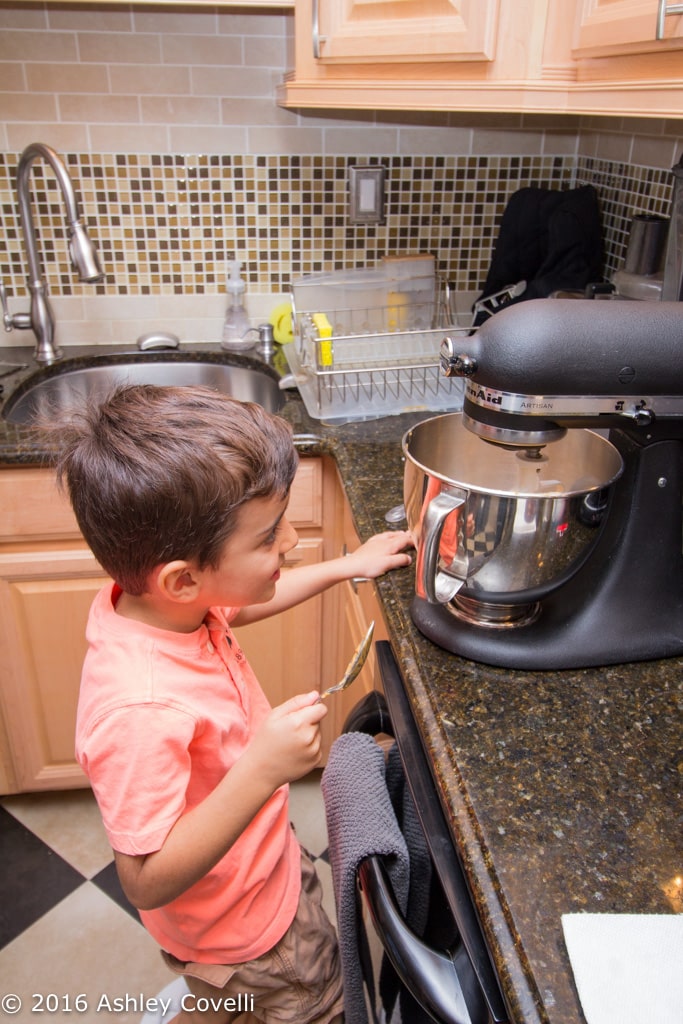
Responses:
[534,372]
[445,975]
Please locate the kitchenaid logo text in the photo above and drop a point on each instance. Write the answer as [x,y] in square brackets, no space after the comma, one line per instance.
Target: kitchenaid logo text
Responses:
[482,396]
[503,400]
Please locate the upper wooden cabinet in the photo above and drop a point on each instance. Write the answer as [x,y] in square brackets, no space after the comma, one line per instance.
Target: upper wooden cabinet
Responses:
[403,30]
[610,27]
[628,58]
[430,54]
[525,56]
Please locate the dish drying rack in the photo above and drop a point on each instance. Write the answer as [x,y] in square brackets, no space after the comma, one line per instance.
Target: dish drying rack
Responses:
[369,373]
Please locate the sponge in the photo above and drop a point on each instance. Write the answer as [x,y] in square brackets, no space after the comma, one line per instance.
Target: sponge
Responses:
[281,320]
[324,328]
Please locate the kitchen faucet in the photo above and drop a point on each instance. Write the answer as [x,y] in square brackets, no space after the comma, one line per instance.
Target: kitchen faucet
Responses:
[41,319]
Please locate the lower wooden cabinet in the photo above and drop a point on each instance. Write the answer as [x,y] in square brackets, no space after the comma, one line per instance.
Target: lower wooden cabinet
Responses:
[359,607]
[353,606]
[285,651]
[44,602]
[49,577]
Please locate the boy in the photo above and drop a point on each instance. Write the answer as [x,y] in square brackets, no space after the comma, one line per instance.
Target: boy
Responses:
[182,493]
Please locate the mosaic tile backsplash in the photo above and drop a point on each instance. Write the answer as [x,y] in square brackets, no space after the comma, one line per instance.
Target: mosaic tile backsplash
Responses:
[169,224]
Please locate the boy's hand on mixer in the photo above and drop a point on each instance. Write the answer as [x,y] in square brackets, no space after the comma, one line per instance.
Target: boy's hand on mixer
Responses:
[380,554]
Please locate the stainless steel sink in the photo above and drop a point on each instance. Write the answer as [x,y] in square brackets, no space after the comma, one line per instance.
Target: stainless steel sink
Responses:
[54,393]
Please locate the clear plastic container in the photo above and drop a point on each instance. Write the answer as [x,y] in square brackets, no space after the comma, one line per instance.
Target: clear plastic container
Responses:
[354,300]
[400,295]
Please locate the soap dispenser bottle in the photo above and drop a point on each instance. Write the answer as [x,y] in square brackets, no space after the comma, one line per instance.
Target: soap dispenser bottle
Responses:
[236,322]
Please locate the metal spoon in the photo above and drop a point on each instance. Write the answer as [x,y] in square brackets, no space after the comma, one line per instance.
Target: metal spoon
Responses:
[354,666]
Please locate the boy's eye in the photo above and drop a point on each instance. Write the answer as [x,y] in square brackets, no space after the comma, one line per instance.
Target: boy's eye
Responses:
[272,536]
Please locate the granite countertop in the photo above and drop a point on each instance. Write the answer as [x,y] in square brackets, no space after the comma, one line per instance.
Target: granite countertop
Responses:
[561,788]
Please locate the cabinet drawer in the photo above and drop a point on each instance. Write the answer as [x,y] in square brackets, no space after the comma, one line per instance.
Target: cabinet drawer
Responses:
[33,507]
[306,496]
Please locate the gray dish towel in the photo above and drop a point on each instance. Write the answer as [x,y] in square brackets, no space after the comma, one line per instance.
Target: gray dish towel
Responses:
[360,822]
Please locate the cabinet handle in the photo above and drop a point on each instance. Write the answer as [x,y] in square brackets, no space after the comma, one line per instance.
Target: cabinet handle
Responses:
[354,580]
[663,11]
[317,38]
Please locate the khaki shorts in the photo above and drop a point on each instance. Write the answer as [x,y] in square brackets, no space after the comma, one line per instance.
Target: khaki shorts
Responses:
[297,982]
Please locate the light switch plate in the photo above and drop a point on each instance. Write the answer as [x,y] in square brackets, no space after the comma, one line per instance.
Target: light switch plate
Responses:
[366,194]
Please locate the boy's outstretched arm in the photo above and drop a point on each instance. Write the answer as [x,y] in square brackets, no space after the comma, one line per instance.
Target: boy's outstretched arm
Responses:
[285,748]
[376,556]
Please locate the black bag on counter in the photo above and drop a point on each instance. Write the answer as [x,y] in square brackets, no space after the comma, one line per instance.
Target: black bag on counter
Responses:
[548,241]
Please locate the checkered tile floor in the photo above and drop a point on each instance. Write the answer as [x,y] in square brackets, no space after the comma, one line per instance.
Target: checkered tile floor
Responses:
[67,930]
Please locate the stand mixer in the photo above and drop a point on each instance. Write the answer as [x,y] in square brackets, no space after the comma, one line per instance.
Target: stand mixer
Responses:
[537,374]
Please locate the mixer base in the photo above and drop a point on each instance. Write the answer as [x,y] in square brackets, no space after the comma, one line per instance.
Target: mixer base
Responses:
[554,640]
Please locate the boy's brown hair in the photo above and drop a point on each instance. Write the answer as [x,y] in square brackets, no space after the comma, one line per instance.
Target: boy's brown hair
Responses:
[156,474]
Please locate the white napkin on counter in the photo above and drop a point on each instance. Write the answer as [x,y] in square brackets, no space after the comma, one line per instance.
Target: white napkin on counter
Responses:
[628,968]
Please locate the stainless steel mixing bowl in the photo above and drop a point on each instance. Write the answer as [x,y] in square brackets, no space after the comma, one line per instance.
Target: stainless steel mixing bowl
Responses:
[501,527]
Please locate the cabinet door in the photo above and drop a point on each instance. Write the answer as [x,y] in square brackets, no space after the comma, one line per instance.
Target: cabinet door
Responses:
[45,596]
[403,30]
[360,609]
[490,55]
[284,651]
[607,27]
[356,605]
[621,67]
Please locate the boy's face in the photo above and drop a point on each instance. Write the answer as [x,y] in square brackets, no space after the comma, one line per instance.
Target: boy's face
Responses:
[253,555]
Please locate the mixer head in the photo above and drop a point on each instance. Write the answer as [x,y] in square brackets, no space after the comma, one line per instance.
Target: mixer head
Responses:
[540,367]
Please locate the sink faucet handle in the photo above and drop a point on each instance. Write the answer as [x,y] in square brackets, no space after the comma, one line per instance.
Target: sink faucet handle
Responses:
[6,315]
[10,321]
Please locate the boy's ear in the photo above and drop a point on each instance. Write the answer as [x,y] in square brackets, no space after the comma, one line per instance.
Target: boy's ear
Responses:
[178,581]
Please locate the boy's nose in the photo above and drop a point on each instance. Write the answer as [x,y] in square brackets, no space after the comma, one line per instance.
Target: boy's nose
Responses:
[290,538]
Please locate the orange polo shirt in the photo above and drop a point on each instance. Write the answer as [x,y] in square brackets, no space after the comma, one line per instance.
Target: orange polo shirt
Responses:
[162,716]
